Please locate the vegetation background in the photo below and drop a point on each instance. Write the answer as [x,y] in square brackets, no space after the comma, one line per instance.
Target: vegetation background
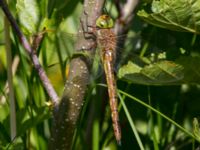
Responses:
[158,76]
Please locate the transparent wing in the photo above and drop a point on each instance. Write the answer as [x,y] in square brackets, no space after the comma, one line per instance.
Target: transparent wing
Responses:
[66,48]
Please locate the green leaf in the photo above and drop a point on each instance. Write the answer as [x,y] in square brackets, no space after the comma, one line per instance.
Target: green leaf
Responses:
[62,9]
[196,129]
[191,68]
[162,72]
[28,11]
[130,68]
[28,122]
[4,135]
[178,15]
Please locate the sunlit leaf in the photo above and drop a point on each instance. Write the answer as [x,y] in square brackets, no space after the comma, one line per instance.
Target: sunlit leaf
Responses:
[162,72]
[178,15]
[28,11]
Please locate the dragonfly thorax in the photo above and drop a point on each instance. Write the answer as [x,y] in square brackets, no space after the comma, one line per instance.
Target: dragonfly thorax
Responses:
[107,41]
[106,38]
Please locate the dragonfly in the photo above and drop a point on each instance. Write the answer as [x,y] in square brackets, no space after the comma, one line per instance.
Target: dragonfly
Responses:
[107,42]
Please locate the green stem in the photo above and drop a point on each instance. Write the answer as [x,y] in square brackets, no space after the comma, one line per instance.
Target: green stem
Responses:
[10,80]
[131,123]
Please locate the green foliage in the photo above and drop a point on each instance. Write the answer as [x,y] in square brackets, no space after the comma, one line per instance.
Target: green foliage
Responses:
[28,12]
[160,73]
[151,116]
[190,64]
[178,15]
[196,129]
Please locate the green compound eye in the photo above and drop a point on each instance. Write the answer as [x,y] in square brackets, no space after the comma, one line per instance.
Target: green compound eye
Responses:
[104,22]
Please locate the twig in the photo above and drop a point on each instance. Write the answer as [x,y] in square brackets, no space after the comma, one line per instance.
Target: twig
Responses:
[128,9]
[126,16]
[46,83]
[123,22]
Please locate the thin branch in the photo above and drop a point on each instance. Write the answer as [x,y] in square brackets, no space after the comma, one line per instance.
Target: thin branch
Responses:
[46,83]
[128,8]
[126,16]
[122,24]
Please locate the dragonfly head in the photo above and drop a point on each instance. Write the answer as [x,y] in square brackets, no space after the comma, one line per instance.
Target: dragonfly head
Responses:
[104,22]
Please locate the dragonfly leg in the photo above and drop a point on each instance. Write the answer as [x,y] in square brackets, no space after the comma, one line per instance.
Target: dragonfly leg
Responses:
[88,34]
[88,38]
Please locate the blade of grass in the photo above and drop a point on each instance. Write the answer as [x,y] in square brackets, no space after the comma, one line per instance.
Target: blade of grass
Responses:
[158,112]
[95,136]
[131,123]
[152,132]
[10,80]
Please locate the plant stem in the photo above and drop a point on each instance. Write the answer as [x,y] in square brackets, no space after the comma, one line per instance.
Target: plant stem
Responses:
[46,83]
[13,131]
